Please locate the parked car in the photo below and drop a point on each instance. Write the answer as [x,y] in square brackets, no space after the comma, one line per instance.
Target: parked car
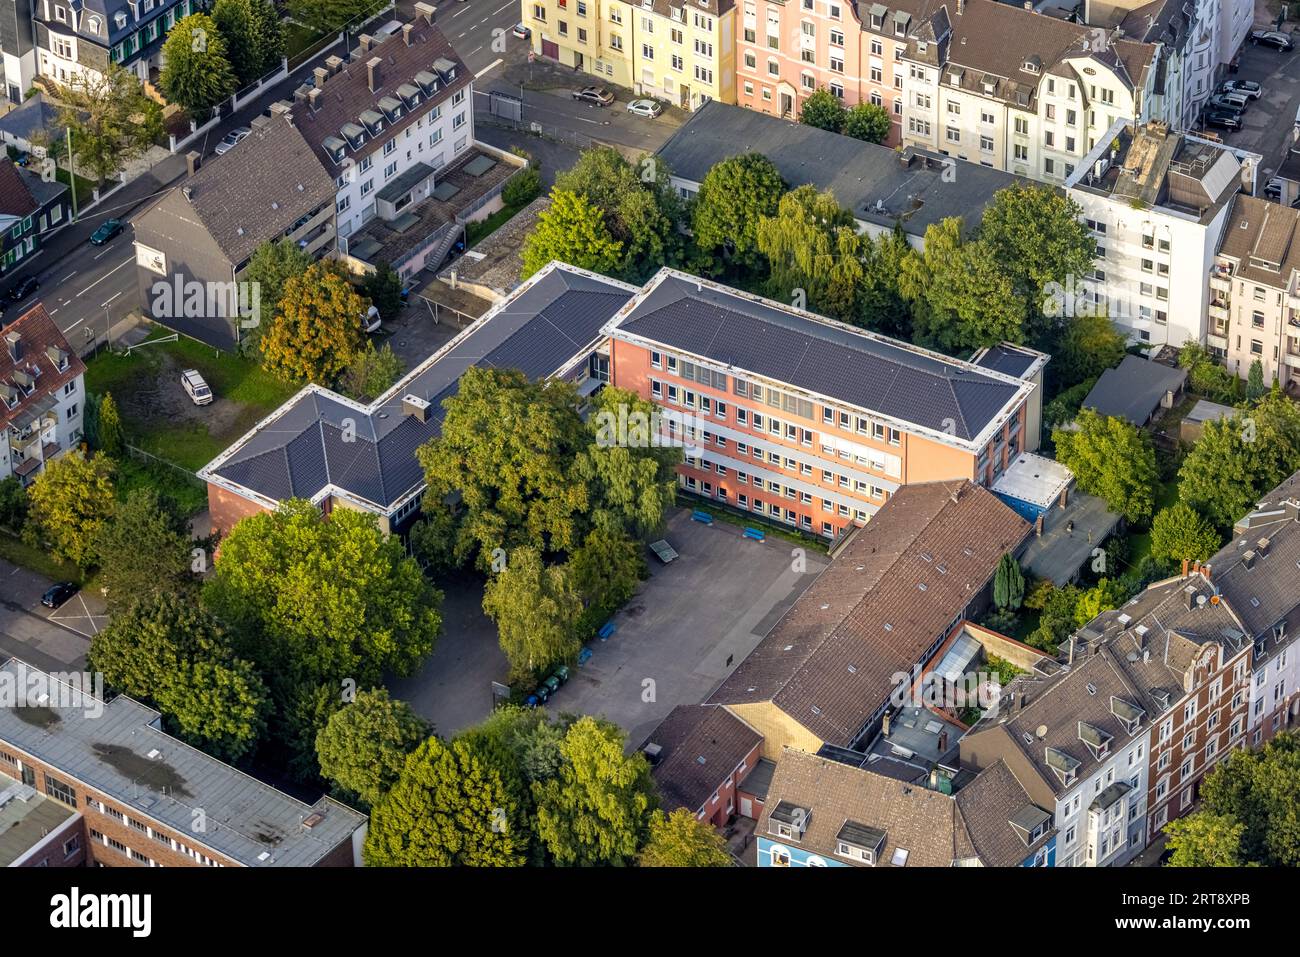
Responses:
[1223,119]
[521,31]
[596,95]
[1230,102]
[24,289]
[1273,188]
[647,108]
[57,594]
[1272,38]
[195,387]
[231,140]
[370,322]
[1242,88]
[108,229]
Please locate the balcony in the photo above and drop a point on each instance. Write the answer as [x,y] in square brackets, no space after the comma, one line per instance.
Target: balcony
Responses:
[1220,282]
[1218,312]
[1217,340]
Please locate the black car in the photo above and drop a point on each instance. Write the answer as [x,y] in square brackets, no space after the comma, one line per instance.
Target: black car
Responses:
[107,230]
[1223,119]
[58,593]
[1272,38]
[24,289]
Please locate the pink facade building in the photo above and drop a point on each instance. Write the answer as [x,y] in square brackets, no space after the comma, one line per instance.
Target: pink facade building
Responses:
[786,50]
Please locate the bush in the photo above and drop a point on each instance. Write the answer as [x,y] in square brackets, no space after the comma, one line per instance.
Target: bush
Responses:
[524,187]
[1003,621]
[13,504]
[1066,405]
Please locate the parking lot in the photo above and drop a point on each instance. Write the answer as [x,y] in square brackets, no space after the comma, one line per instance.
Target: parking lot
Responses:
[54,640]
[689,626]
[1268,124]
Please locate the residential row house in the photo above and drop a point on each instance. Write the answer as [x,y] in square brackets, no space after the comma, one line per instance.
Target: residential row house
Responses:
[1254,291]
[31,208]
[1158,204]
[676,50]
[42,395]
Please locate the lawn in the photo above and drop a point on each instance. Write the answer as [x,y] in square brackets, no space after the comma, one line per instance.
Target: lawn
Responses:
[14,549]
[1139,543]
[478,231]
[157,415]
[298,37]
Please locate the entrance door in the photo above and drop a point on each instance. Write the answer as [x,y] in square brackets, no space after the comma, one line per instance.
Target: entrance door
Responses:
[577,62]
[787,104]
[746,807]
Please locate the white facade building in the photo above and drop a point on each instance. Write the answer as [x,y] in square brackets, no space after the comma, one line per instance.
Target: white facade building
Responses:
[42,396]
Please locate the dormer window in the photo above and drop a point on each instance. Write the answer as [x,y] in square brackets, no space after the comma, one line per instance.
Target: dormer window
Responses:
[1031,65]
[94,25]
[1030,823]
[859,842]
[1129,714]
[119,18]
[1096,739]
[1065,767]
[788,821]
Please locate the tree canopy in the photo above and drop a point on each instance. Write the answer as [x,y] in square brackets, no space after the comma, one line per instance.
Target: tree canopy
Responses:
[1179,532]
[572,231]
[1112,460]
[69,502]
[536,609]
[143,549]
[316,332]
[253,34]
[734,197]
[112,120]
[815,254]
[680,840]
[363,746]
[196,73]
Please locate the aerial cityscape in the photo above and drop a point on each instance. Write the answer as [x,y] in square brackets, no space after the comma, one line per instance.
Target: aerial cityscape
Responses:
[649,433]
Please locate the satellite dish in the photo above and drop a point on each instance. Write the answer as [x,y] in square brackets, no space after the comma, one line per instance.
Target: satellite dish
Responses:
[1041,731]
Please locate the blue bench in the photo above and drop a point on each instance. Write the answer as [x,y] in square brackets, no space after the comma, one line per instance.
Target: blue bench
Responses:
[703,517]
[756,534]
[584,656]
[606,630]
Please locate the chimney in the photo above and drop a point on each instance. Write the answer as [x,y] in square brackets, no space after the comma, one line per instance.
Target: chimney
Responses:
[426,11]
[321,74]
[372,72]
[1186,563]
[1261,546]
[943,741]
[15,342]
[884,725]
[415,407]
[365,42]
[1189,597]
[407,30]
[1206,570]
[313,99]
[961,7]
[193,160]
[333,64]
[1248,559]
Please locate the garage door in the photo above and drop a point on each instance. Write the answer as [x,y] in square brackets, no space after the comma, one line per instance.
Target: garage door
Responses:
[550,49]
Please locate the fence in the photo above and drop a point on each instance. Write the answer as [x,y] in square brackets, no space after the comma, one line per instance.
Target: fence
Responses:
[554,133]
[148,457]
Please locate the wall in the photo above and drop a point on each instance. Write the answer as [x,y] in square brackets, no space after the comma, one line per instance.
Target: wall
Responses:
[226,508]
[778,729]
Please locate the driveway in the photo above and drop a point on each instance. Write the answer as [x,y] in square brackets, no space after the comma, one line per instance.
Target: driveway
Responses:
[689,626]
[1268,124]
[52,640]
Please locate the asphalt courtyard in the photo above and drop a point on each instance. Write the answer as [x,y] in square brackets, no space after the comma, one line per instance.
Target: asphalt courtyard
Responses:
[52,639]
[687,627]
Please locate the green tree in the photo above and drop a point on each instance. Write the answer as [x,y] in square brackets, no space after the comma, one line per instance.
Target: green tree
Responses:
[1204,839]
[253,35]
[303,710]
[271,266]
[1205,376]
[961,296]
[1056,620]
[111,119]
[1089,345]
[596,811]
[1008,583]
[868,122]
[680,840]
[536,609]
[1178,532]
[68,503]
[1107,594]
[167,651]
[108,428]
[1111,459]
[1255,387]
[383,288]
[316,332]
[448,809]
[522,188]
[196,72]
[363,746]
[372,373]
[823,110]
[320,599]
[815,254]
[143,549]
[506,446]
[882,306]
[734,196]
[605,572]
[13,504]
[574,232]
[1238,460]
[1037,236]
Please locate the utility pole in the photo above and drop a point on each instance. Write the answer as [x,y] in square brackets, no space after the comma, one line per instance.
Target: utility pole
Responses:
[72,174]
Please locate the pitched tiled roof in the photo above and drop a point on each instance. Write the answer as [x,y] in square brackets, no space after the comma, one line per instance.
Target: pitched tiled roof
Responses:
[1267,591]
[926,824]
[701,745]
[1134,389]
[301,449]
[1262,237]
[347,93]
[248,196]
[889,378]
[878,607]
[40,343]
[996,809]
[15,198]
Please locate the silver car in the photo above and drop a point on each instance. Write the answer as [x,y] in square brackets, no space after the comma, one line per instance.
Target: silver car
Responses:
[231,140]
[646,108]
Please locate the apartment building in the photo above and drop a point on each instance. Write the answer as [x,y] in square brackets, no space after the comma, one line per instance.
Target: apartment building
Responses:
[193,245]
[680,51]
[1254,291]
[42,395]
[1258,574]
[1034,107]
[809,421]
[699,755]
[30,210]
[1158,203]
[141,798]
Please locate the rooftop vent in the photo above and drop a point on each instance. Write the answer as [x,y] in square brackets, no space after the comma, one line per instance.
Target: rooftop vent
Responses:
[311,820]
[415,407]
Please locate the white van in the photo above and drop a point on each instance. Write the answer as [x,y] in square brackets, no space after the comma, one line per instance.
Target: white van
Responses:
[195,387]
[370,321]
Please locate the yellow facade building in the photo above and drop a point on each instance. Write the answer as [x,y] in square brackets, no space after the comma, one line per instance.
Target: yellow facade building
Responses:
[674,50]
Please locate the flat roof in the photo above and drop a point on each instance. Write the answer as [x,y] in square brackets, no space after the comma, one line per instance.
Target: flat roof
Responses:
[956,402]
[26,818]
[1034,479]
[123,753]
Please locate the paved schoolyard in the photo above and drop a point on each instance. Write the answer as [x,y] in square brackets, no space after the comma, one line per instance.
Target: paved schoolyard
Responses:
[689,626]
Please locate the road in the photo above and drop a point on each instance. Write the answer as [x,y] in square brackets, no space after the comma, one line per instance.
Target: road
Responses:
[52,640]
[1268,125]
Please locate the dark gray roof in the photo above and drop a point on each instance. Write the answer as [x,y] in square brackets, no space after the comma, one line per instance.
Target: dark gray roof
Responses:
[1007,358]
[248,196]
[121,752]
[300,450]
[885,376]
[1133,389]
[859,174]
[32,117]
[758,780]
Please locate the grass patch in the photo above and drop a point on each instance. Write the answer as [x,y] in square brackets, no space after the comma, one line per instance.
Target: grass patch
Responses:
[298,37]
[190,497]
[85,189]
[37,559]
[478,231]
